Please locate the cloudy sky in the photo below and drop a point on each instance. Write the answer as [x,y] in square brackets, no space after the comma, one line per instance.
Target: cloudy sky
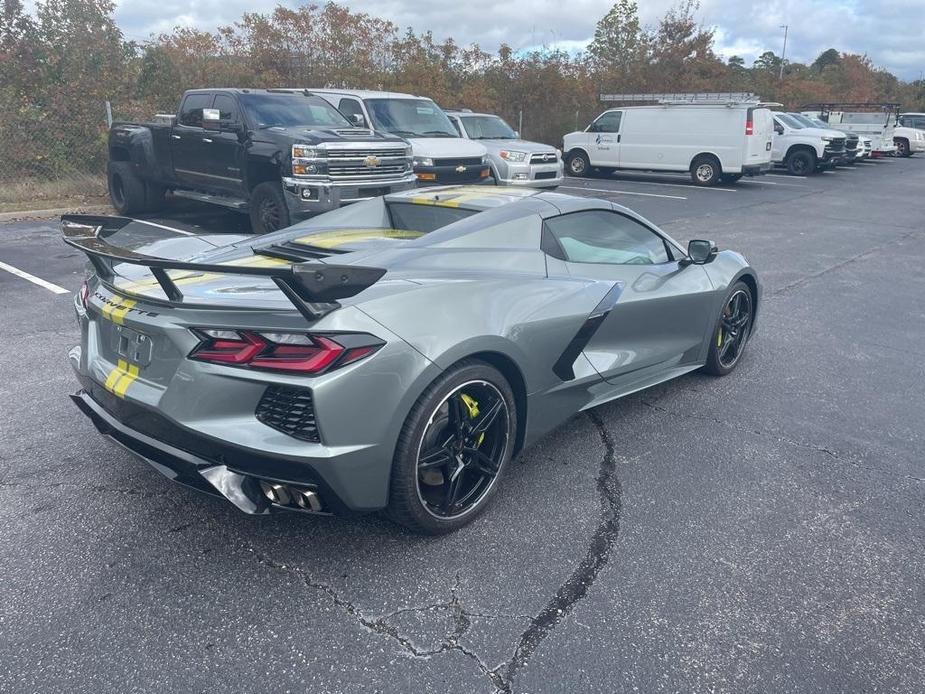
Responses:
[891,32]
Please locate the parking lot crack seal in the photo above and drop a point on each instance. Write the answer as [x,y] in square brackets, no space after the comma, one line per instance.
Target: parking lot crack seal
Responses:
[584,575]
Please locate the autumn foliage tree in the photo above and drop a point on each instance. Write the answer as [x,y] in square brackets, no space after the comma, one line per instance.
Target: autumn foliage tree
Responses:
[60,64]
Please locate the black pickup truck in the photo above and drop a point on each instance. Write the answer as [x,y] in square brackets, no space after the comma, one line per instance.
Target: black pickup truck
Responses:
[280,155]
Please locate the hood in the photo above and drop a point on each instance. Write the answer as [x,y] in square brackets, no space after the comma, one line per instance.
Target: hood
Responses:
[516,144]
[446,147]
[312,136]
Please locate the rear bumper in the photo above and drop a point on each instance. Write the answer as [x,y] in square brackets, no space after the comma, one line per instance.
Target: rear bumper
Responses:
[305,197]
[207,465]
[756,169]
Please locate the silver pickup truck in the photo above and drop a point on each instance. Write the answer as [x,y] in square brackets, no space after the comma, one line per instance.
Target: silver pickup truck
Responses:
[514,162]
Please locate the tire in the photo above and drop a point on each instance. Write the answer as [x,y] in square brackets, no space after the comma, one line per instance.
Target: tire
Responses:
[418,496]
[706,171]
[800,162]
[268,209]
[126,189]
[578,164]
[902,148]
[727,344]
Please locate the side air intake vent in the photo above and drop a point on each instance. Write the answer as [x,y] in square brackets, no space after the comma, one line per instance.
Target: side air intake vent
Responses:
[289,410]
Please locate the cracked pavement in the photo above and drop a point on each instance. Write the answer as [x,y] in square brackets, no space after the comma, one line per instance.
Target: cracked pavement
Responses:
[761,532]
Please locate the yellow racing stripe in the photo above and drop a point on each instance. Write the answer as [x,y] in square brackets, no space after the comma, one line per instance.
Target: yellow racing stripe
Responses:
[121,377]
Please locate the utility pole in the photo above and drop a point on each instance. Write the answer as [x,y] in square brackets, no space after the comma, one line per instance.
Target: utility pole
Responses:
[783,53]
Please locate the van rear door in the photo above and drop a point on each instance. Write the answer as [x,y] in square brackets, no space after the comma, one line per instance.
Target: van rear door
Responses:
[758,143]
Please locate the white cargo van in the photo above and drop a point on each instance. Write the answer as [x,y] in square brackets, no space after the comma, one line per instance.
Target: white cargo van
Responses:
[440,155]
[713,141]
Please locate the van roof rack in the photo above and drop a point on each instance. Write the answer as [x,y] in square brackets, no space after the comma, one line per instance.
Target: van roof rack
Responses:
[887,106]
[691,98]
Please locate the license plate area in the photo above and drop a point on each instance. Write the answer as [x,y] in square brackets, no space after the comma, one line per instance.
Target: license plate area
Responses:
[133,346]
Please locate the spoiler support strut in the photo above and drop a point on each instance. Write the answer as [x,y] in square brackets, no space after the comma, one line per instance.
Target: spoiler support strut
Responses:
[313,288]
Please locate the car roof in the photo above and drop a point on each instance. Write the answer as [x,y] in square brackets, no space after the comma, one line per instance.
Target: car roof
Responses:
[369,94]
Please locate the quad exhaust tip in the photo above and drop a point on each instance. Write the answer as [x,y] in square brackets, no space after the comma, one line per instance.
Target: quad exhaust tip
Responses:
[291,497]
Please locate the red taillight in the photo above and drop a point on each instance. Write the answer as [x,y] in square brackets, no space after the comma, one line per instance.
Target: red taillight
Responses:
[292,352]
[749,127]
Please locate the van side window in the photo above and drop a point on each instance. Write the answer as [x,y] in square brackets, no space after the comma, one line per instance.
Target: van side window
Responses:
[191,111]
[599,236]
[608,123]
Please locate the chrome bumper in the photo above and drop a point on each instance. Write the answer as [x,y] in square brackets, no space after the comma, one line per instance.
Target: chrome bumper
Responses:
[305,196]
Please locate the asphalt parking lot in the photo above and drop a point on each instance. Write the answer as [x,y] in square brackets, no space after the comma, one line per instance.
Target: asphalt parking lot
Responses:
[758,533]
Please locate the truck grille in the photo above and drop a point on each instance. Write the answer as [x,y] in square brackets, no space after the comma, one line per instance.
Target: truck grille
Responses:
[363,153]
[544,158]
[467,161]
[354,170]
[837,144]
[851,144]
[289,410]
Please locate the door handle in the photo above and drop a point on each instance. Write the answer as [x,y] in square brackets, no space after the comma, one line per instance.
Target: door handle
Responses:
[618,138]
[176,137]
[207,139]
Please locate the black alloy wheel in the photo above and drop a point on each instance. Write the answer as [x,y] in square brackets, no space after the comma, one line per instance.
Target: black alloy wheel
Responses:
[462,450]
[734,326]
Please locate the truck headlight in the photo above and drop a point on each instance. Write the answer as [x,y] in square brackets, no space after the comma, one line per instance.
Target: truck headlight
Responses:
[423,161]
[512,155]
[306,152]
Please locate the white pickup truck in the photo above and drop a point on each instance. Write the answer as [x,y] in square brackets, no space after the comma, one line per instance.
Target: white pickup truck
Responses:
[909,134]
[803,150]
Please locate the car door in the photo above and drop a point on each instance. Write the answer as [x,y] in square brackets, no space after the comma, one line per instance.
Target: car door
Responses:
[223,148]
[778,141]
[658,314]
[187,146]
[604,139]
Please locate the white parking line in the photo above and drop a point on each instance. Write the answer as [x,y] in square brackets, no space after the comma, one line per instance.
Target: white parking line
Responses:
[624,192]
[775,183]
[32,278]
[661,183]
[784,176]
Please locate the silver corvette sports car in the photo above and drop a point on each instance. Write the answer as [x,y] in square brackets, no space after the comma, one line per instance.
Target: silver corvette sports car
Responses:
[394,354]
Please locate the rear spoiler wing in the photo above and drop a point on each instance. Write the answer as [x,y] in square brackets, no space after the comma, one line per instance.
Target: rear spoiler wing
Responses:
[313,288]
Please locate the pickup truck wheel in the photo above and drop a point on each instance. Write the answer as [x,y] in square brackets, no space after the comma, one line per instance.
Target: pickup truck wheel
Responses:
[268,208]
[801,162]
[578,164]
[126,190]
[706,171]
[902,148]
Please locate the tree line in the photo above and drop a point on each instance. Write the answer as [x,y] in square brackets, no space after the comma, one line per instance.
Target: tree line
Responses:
[60,64]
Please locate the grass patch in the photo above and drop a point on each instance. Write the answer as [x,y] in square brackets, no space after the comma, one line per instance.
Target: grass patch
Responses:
[43,193]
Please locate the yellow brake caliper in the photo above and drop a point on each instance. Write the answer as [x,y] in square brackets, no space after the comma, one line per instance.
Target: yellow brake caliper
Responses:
[473,406]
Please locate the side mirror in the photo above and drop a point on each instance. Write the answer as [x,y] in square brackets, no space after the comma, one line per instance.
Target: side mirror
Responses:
[211,119]
[517,134]
[779,129]
[358,120]
[701,251]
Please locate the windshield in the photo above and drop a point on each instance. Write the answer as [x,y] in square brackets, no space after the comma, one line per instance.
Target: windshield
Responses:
[287,110]
[410,117]
[786,119]
[487,128]
[805,121]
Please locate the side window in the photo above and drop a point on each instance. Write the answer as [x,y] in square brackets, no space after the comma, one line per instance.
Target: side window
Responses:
[227,108]
[599,236]
[456,125]
[191,111]
[350,108]
[607,123]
